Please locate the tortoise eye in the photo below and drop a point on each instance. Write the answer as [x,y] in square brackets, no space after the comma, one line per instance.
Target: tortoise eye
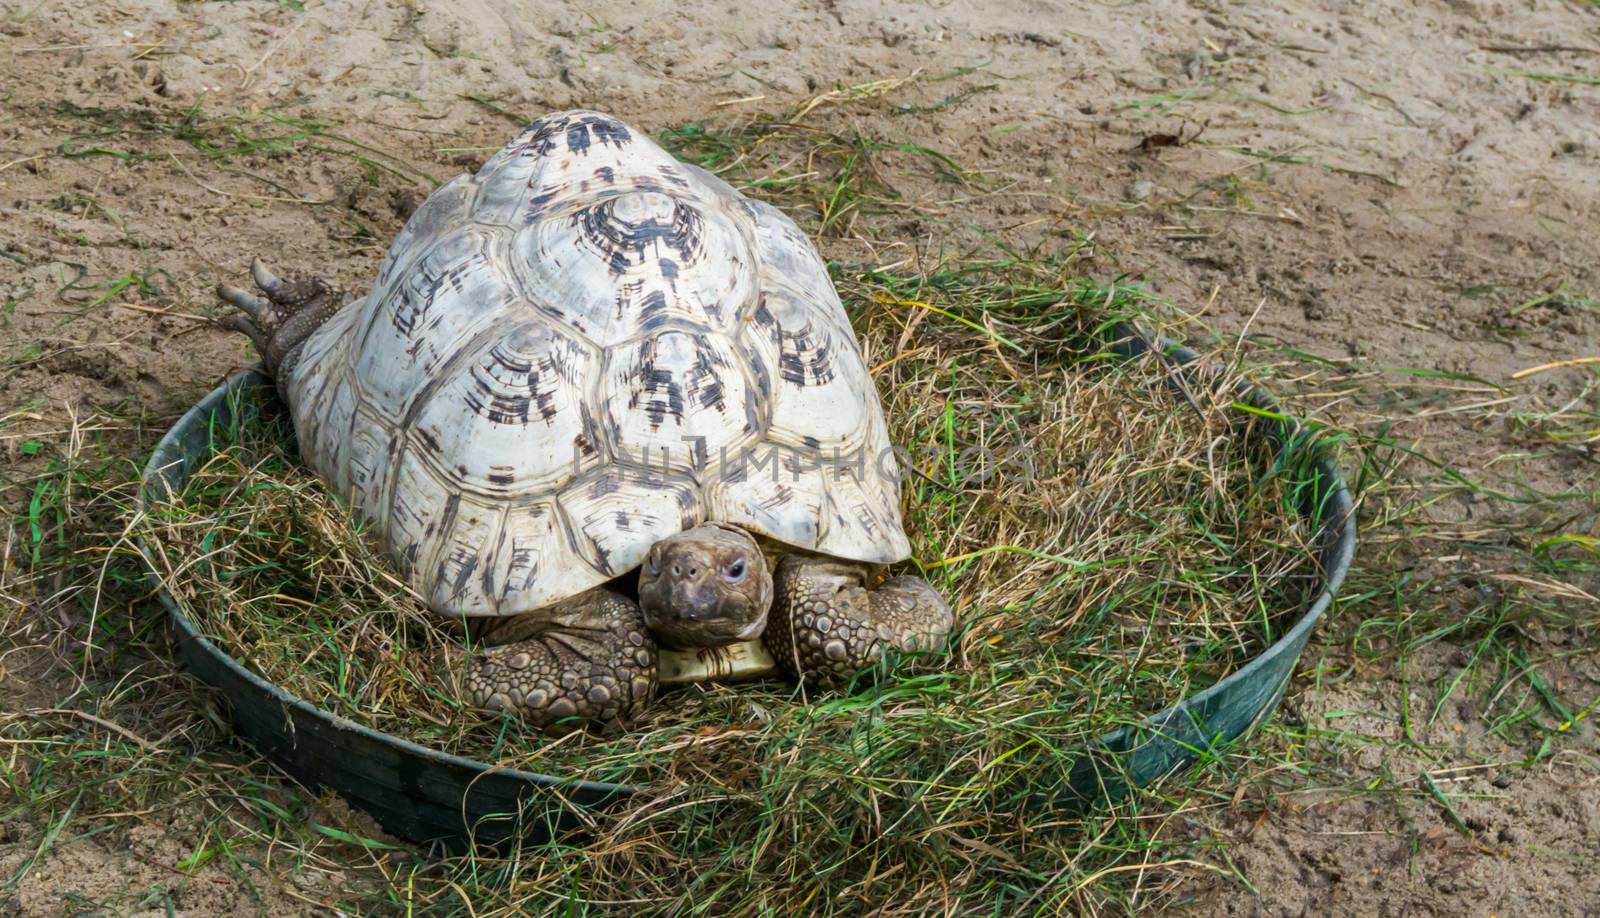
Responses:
[735,572]
[650,565]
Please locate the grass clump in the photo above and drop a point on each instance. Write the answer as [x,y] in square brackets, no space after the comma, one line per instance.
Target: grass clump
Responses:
[1110,544]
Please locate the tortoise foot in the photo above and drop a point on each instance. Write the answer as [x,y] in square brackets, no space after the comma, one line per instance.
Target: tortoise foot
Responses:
[827,626]
[590,661]
[279,323]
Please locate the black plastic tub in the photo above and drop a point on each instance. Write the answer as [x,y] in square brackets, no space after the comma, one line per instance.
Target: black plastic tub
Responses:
[430,796]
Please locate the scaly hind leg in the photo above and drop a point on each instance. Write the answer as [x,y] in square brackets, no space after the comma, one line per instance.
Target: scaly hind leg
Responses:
[280,323]
[587,659]
[826,625]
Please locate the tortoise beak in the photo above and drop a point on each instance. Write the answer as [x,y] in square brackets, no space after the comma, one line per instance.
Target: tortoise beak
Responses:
[695,612]
[699,601]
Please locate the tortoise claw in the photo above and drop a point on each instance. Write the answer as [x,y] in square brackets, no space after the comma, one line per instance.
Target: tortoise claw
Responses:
[252,305]
[269,283]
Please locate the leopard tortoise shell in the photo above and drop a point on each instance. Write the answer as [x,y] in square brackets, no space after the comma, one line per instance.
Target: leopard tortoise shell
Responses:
[569,358]
[583,348]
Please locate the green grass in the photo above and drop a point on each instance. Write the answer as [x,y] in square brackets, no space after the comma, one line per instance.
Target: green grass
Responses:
[1093,587]
[142,136]
[840,174]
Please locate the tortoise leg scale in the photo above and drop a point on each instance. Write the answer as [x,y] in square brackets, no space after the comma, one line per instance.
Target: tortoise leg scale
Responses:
[589,658]
[826,625]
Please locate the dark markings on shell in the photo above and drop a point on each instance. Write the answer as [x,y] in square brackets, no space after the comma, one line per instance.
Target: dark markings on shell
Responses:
[588,129]
[452,506]
[801,363]
[617,261]
[585,442]
[523,558]
[763,316]
[578,138]
[413,302]
[760,376]
[427,440]
[583,446]
[486,581]
[625,244]
[614,428]
[791,367]
[866,520]
[653,309]
[409,308]
[465,562]
[538,138]
[497,407]
[409,556]
[500,475]
[658,409]
[706,376]
[422,340]
[655,389]
[535,209]
[673,175]
[507,387]
[606,174]
[623,522]
[501,549]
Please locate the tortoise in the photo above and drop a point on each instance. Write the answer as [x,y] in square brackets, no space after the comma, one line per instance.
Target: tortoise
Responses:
[611,413]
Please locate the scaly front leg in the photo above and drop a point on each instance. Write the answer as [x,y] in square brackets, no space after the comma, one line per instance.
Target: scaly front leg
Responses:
[588,659]
[826,626]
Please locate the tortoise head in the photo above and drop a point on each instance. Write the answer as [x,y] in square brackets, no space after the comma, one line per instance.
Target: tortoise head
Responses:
[705,587]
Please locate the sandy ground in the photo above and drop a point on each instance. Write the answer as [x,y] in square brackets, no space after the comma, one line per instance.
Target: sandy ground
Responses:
[1368,183]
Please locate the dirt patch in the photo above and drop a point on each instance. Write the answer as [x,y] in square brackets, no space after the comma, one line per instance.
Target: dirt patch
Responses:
[1510,841]
[1412,189]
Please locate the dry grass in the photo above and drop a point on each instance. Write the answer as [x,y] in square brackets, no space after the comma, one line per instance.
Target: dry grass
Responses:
[1110,545]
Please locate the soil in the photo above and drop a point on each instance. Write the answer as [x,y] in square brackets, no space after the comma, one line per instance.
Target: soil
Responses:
[1380,186]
